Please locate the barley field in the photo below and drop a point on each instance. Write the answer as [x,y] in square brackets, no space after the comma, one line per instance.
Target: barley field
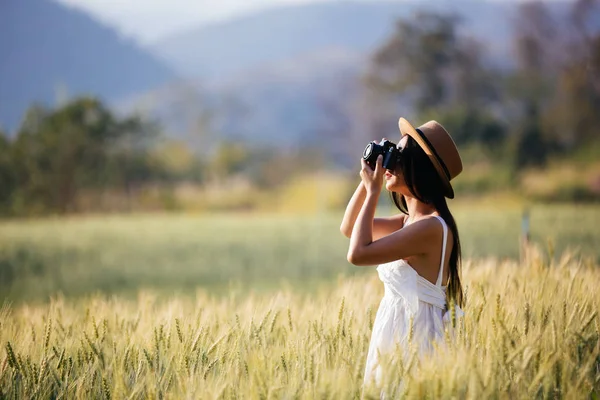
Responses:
[531,331]
[266,307]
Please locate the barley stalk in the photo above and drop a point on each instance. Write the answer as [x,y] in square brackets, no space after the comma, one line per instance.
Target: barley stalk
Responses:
[532,341]
[179,333]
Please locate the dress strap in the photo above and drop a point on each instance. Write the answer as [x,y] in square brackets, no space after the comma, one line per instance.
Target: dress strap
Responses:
[441,273]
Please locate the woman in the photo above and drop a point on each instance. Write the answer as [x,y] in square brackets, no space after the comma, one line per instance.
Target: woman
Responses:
[418,251]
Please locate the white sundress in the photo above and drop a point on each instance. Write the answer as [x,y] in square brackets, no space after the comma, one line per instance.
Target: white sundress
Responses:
[407,296]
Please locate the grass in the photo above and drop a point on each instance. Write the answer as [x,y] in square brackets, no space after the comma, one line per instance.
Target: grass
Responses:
[531,331]
[176,253]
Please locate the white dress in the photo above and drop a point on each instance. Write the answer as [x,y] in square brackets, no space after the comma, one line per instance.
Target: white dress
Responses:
[407,296]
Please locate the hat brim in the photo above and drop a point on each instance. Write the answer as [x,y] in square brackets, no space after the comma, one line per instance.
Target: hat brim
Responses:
[407,129]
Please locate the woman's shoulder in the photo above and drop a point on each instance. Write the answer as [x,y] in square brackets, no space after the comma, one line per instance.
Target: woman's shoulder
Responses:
[431,226]
[426,222]
[425,228]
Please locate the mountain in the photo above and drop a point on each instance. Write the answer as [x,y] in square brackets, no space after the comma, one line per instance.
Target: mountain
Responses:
[46,48]
[216,52]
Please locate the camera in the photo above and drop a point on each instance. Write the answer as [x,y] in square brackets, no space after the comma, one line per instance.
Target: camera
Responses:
[390,152]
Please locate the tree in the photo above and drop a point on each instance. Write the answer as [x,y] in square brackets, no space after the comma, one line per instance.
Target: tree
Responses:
[428,61]
[578,89]
[414,60]
[8,181]
[81,145]
[129,158]
[471,124]
[530,148]
[559,72]
[442,75]
[230,158]
[62,151]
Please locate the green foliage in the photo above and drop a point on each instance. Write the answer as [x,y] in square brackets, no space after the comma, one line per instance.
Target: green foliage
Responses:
[8,179]
[230,158]
[416,57]
[177,162]
[528,145]
[471,125]
[58,153]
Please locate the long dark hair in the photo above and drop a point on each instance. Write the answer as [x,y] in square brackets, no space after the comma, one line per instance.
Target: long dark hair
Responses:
[425,185]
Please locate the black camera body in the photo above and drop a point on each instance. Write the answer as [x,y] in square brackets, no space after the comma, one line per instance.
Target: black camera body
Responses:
[390,152]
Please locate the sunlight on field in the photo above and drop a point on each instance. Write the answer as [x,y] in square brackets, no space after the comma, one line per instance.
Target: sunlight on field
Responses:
[531,330]
[176,253]
[560,178]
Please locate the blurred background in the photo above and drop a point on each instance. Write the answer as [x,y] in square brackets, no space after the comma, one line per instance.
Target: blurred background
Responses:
[177,144]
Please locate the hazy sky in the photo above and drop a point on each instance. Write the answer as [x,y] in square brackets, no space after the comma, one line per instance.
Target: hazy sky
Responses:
[148,20]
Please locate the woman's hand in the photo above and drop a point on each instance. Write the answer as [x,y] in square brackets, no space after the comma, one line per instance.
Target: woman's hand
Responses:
[372,179]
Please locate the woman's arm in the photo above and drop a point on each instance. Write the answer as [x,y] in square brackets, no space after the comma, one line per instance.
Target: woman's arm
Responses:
[381,226]
[409,241]
[352,209]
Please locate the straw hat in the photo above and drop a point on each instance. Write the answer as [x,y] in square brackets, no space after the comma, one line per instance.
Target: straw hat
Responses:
[439,146]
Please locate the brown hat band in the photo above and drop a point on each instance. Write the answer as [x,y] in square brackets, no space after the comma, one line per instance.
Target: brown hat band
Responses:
[434,152]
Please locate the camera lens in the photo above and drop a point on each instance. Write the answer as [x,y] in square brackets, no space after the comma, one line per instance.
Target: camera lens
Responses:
[368,151]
